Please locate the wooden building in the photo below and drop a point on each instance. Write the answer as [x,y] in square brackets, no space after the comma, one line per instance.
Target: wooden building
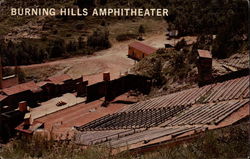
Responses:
[62,84]
[26,91]
[204,65]
[138,51]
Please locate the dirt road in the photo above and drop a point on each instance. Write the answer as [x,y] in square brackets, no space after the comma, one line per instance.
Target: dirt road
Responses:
[113,60]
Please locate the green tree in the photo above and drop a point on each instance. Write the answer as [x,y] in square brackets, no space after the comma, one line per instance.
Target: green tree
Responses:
[99,40]
[80,43]
[56,48]
[85,3]
[141,29]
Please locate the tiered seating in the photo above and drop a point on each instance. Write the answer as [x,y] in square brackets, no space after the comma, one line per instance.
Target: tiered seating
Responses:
[163,118]
[150,135]
[96,137]
[207,113]
[232,89]
[239,61]
[120,138]
[134,119]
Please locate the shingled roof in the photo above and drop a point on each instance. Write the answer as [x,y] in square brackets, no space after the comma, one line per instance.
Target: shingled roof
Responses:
[2,97]
[143,47]
[204,54]
[21,88]
[59,79]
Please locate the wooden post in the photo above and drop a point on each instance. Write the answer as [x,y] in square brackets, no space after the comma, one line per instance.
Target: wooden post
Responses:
[106,79]
[1,73]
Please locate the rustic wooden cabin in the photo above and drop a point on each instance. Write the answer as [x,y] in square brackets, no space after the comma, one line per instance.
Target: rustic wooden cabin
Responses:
[138,51]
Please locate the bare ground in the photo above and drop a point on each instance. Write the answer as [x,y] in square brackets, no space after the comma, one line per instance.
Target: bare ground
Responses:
[113,60]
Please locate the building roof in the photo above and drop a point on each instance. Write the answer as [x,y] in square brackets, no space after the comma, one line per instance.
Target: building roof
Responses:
[143,47]
[59,79]
[2,97]
[9,81]
[21,88]
[42,83]
[31,129]
[76,115]
[204,53]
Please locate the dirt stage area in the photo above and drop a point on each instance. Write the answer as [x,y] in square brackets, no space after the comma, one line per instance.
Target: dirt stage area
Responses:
[114,60]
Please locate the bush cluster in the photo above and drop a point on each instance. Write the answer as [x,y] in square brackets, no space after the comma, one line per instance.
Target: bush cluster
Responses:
[226,19]
[126,36]
[99,40]
[166,65]
[33,51]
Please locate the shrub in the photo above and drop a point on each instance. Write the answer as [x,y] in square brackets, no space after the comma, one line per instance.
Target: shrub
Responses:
[81,43]
[181,44]
[103,23]
[38,146]
[85,3]
[167,65]
[204,42]
[27,52]
[21,75]
[126,36]
[56,48]
[71,46]
[141,29]
[103,2]
[99,40]
[44,37]
[205,16]
[79,26]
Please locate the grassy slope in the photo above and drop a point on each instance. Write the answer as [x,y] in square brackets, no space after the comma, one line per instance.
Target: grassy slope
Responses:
[174,70]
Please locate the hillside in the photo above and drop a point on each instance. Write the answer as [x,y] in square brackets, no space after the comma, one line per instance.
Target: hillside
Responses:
[36,39]
[219,26]
[174,70]
[33,39]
